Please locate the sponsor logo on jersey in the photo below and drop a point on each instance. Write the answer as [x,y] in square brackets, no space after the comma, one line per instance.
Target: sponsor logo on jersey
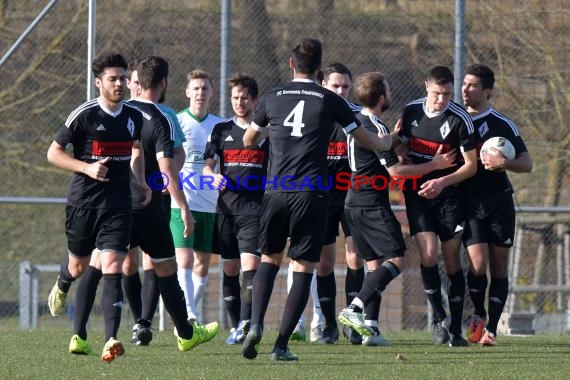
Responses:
[337,150]
[444,130]
[101,127]
[508,241]
[112,148]
[195,157]
[414,123]
[483,129]
[244,157]
[427,147]
[229,138]
[131,126]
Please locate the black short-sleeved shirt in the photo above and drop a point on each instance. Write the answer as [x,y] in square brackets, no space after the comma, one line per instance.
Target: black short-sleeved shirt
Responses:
[301,116]
[372,166]
[244,168]
[96,133]
[157,139]
[425,132]
[492,124]
[337,154]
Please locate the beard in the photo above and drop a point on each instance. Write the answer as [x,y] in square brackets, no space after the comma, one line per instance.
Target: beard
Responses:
[244,114]
[115,97]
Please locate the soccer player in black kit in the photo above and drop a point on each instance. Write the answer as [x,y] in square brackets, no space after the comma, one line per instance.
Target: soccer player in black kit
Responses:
[490,228]
[376,232]
[236,229]
[150,229]
[300,116]
[428,124]
[105,134]
[337,78]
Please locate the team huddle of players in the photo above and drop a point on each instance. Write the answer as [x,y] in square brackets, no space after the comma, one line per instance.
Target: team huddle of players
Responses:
[305,129]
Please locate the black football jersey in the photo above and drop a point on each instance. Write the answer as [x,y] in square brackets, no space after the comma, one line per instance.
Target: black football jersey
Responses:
[97,133]
[367,164]
[157,139]
[492,124]
[244,168]
[337,153]
[301,117]
[425,132]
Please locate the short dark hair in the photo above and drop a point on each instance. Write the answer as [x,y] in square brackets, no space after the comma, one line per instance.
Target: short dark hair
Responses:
[105,61]
[198,74]
[369,87]
[338,68]
[484,73]
[440,75]
[151,71]
[132,66]
[307,55]
[245,81]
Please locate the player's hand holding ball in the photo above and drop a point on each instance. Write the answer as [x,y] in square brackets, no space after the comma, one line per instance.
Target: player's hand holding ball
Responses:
[495,152]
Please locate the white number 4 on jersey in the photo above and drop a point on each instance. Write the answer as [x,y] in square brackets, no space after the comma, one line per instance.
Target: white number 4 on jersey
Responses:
[295,119]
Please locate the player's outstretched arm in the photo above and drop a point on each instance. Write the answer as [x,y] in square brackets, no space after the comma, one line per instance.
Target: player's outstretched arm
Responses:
[369,140]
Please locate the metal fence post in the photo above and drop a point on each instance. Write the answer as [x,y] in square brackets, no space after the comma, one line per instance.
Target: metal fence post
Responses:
[34,303]
[225,55]
[222,315]
[24,295]
[91,39]
[514,268]
[459,58]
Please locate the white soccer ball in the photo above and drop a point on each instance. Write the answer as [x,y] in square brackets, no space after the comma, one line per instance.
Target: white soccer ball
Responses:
[501,144]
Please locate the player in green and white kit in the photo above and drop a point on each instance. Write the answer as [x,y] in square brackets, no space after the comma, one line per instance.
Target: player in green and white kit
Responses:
[197,124]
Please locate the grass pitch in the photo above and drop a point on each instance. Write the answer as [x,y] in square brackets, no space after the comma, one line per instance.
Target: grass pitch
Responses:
[43,354]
